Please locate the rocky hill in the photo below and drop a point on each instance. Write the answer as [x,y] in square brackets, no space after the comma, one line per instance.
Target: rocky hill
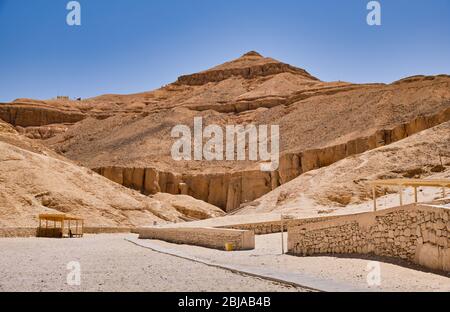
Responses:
[127,138]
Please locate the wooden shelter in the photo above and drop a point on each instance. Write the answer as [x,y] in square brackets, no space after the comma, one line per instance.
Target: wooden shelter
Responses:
[60,225]
[403,183]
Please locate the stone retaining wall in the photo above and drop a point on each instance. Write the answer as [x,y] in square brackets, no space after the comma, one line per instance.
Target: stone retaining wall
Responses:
[269,227]
[106,230]
[18,232]
[415,233]
[32,231]
[205,237]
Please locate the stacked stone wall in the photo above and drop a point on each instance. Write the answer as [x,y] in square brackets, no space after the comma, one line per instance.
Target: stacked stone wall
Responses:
[416,233]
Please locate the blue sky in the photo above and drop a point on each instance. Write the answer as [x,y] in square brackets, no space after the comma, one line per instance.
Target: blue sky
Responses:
[127,46]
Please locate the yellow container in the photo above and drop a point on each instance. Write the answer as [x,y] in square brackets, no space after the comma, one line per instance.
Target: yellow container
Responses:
[229,247]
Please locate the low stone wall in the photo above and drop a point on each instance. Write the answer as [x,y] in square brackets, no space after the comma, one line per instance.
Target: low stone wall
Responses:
[205,237]
[32,232]
[107,230]
[18,232]
[258,228]
[415,233]
[270,227]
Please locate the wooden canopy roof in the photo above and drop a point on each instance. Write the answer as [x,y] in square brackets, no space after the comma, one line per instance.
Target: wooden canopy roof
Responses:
[58,217]
[412,182]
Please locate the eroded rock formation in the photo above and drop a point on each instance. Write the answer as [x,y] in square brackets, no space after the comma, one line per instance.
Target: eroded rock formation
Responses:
[230,190]
[127,138]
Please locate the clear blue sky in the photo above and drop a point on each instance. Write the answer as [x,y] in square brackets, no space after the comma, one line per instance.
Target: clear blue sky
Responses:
[127,46]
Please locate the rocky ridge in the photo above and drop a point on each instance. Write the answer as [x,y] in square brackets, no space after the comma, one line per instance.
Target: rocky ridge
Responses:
[321,123]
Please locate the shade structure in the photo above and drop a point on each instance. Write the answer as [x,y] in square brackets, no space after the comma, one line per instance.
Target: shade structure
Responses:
[59,225]
[402,183]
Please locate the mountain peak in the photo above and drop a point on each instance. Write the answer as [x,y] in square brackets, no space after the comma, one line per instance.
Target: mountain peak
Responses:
[252,53]
[248,66]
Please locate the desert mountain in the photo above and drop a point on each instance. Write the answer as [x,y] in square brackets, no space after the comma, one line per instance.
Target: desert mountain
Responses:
[127,138]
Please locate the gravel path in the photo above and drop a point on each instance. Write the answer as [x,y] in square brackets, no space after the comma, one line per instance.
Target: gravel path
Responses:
[109,263]
[325,273]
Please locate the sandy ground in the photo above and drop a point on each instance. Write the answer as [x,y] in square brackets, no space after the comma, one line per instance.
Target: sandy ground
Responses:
[323,273]
[110,263]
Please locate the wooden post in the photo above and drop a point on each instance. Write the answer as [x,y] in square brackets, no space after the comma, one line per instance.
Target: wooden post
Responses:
[401,194]
[415,194]
[374,192]
[282,235]
[82,228]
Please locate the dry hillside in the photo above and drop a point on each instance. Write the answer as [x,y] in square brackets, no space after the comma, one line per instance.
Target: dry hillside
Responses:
[344,184]
[34,180]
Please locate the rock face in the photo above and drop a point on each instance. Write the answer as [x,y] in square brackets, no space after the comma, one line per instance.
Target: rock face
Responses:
[425,154]
[226,191]
[42,132]
[189,207]
[229,190]
[29,115]
[127,138]
[317,158]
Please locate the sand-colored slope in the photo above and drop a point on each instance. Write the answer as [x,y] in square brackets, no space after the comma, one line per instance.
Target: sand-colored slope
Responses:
[343,186]
[34,180]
